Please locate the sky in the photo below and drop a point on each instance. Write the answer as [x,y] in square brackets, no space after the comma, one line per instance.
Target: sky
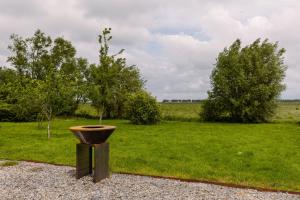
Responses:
[174,43]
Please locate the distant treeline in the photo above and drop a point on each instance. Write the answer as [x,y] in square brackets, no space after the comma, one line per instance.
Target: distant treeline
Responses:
[289,100]
[182,101]
[201,100]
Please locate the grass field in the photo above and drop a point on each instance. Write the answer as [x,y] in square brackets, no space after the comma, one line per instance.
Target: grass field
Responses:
[287,111]
[261,155]
[181,111]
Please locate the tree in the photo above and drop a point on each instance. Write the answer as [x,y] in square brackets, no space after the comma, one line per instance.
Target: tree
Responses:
[7,76]
[81,76]
[111,80]
[48,74]
[246,83]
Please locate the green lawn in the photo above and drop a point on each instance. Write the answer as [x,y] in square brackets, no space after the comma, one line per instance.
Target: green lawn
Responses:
[262,155]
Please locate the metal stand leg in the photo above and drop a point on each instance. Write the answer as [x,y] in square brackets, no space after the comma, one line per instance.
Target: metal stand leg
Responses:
[101,160]
[83,160]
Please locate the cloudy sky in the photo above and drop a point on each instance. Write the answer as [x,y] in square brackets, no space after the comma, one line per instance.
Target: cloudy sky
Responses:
[173,42]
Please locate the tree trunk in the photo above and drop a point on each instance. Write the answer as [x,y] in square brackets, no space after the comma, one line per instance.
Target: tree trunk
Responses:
[101,111]
[100,118]
[49,125]
[49,129]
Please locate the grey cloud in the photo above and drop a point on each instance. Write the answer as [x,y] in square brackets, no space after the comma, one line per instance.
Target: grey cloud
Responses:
[114,8]
[19,8]
[176,63]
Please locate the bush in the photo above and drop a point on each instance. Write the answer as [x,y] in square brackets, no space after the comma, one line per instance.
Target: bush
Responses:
[6,112]
[142,108]
[246,83]
[86,111]
[211,111]
[13,113]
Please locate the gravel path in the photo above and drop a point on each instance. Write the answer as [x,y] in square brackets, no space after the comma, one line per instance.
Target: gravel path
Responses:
[43,181]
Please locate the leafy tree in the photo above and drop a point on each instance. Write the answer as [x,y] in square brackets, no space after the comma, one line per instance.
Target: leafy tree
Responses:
[81,76]
[142,108]
[48,75]
[246,83]
[7,76]
[24,100]
[6,110]
[112,80]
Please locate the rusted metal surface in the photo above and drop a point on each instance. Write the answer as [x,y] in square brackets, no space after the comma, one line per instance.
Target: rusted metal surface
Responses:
[92,139]
[83,160]
[101,159]
[92,134]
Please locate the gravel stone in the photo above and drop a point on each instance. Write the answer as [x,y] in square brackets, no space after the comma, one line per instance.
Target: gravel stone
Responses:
[29,180]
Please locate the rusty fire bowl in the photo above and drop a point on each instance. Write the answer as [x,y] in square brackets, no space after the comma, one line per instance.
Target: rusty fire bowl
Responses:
[92,134]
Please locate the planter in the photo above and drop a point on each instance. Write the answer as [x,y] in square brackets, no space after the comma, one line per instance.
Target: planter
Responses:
[92,134]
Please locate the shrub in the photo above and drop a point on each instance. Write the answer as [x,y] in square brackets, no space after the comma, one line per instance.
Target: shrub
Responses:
[86,111]
[6,112]
[142,108]
[211,111]
[10,112]
[246,83]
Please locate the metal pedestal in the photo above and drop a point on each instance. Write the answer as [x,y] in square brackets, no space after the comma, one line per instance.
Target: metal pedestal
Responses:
[84,160]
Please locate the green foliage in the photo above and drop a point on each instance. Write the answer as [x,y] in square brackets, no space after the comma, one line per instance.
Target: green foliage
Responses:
[7,76]
[23,99]
[48,79]
[86,111]
[246,83]
[6,112]
[142,108]
[112,80]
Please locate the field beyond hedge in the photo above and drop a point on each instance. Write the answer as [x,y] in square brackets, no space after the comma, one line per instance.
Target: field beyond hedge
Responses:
[287,111]
[261,155]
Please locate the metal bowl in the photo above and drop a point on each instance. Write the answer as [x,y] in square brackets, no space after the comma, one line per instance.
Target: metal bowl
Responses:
[92,134]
